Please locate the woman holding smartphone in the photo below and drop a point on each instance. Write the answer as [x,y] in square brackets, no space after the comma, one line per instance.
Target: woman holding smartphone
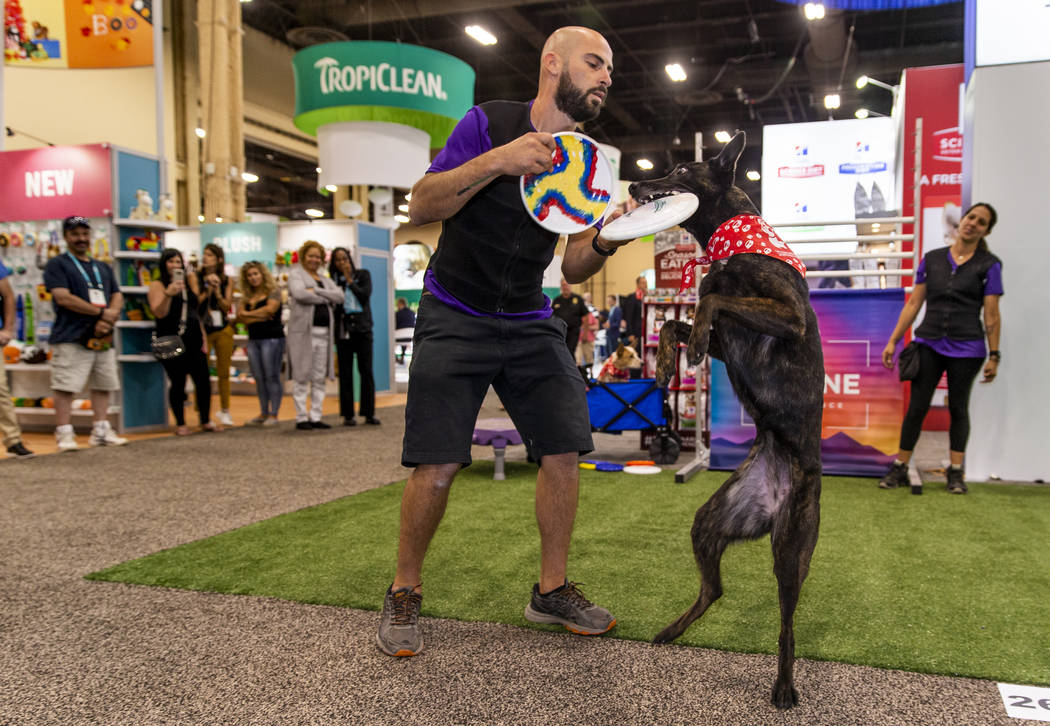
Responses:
[174,294]
[214,308]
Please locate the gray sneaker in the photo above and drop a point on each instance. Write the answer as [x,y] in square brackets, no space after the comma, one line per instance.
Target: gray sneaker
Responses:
[567,606]
[897,476]
[399,633]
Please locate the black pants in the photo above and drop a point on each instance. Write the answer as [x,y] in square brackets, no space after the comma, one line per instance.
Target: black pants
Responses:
[359,344]
[194,364]
[961,375]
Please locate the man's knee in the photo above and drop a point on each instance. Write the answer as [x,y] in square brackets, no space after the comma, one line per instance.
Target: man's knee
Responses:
[437,476]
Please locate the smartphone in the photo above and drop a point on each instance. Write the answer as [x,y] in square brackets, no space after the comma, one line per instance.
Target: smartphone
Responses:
[178,274]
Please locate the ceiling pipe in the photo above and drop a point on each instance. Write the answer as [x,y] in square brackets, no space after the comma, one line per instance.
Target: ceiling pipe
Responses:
[830,54]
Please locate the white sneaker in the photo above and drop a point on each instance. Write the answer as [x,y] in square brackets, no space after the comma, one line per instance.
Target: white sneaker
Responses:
[66,440]
[224,418]
[104,435]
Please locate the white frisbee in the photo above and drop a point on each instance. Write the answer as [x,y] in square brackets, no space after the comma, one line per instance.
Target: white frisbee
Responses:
[576,193]
[656,216]
[642,469]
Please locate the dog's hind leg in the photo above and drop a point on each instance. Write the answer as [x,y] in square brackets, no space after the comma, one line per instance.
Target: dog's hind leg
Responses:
[741,509]
[794,537]
[672,333]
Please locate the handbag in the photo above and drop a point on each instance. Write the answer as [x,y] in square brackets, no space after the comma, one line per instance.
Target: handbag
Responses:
[167,347]
[908,362]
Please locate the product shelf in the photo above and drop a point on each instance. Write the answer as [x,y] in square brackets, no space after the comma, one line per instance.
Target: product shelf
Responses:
[136,255]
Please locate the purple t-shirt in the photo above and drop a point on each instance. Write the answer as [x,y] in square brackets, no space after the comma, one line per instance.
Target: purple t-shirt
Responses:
[4,272]
[993,285]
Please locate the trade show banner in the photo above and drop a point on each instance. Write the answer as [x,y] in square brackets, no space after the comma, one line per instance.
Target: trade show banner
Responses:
[243,242]
[55,182]
[828,171]
[78,33]
[862,400]
[932,94]
[672,248]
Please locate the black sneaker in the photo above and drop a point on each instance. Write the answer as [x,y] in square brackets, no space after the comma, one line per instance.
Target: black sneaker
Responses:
[399,633]
[19,451]
[371,421]
[956,485]
[567,606]
[304,426]
[350,421]
[319,425]
[897,476]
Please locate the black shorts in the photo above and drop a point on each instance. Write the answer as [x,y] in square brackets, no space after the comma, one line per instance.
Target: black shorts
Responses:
[456,356]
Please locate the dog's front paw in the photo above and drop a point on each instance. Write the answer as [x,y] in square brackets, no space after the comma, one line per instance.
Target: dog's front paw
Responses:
[784,694]
[699,341]
[665,364]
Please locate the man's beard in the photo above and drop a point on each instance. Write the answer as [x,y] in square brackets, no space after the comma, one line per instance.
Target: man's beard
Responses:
[573,102]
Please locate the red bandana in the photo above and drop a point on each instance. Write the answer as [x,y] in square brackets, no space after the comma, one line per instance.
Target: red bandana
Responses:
[744,233]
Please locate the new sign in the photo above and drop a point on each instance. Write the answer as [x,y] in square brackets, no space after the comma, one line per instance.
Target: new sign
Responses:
[55,182]
[380,81]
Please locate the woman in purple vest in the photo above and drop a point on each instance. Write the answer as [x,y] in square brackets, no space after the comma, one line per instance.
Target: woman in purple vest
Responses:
[957,283]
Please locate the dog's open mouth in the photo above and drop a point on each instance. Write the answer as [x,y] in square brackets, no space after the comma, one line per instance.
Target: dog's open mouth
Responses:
[653,196]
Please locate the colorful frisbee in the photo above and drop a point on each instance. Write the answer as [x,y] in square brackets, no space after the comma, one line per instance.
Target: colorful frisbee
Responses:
[656,216]
[576,192]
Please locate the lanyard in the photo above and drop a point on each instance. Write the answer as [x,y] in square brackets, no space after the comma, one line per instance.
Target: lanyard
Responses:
[98,277]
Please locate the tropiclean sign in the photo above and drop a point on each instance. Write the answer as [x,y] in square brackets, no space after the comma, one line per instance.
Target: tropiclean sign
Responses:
[380,81]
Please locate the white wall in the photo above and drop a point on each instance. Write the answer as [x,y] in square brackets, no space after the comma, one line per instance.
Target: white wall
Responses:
[1008,109]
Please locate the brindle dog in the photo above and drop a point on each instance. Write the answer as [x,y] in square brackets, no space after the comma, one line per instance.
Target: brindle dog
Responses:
[754,315]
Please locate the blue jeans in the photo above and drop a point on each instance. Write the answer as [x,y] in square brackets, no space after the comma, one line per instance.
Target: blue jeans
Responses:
[264,357]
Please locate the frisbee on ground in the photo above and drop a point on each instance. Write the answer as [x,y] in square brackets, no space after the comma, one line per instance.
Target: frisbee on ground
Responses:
[656,216]
[640,462]
[642,469]
[576,192]
[608,466]
[587,465]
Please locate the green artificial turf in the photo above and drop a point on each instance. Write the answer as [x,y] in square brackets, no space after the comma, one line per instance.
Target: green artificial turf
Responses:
[944,584]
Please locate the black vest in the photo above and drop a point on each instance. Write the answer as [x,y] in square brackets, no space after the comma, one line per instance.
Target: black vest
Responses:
[491,254]
[954,297]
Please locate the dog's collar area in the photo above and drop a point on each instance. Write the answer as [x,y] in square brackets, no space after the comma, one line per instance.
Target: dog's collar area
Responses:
[742,234]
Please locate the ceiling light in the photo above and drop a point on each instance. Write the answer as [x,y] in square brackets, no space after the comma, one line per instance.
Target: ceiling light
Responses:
[403,219]
[753,175]
[200,217]
[675,72]
[408,197]
[861,113]
[219,220]
[875,227]
[644,164]
[201,133]
[331,187]
[862,81]
[722,137]
[813,11]
[832,100]
[248,176]
[402,208]
[318,170]
[314,213]
[481,35]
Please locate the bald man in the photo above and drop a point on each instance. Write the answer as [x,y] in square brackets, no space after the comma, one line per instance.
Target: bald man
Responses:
[483,319]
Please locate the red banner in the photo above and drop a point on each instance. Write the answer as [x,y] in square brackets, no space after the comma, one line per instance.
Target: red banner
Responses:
[55,182]
[933,95]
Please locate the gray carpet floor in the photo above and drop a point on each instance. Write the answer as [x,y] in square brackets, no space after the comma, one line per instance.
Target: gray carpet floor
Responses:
[80,652]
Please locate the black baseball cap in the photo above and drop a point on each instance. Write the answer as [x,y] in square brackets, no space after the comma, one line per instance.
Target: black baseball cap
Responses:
[75,221]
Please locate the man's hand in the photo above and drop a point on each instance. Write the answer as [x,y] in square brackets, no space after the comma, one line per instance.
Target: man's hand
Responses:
[6,336]
[102,329]
[528,154]
[110,315]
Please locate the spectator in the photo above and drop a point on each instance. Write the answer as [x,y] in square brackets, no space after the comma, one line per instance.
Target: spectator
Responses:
[87,304]
[214,309]
[585,348]
[570,309]
[175,303]
[310,334]
[403,315]
[614,328]
[260,310]
[354,337]
[8,420]
[632,314]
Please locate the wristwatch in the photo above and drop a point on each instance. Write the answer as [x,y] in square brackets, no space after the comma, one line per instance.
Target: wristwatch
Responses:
[599,250]
[994,355]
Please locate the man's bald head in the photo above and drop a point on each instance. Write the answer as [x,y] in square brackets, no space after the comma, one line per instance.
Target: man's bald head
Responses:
[564,40]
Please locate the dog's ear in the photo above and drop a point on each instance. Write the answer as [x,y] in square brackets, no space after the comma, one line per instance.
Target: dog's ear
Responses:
[725,162]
